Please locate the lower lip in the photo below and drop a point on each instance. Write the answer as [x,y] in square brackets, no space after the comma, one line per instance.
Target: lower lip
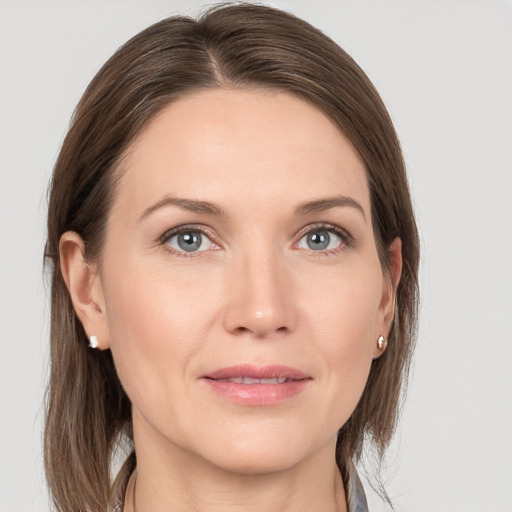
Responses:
[258,394]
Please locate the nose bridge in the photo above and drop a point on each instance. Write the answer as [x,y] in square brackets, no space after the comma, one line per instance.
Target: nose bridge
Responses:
[259,293]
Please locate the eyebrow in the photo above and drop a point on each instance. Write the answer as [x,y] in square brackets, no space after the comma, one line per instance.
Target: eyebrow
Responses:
[205,207]
[321,205]
[187,204]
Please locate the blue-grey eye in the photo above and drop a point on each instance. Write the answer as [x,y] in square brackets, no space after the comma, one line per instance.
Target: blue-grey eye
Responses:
[320,240]
[189,241]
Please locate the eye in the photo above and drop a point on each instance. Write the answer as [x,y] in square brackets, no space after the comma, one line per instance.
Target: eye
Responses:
[320,240]
[188,240]
[324,239]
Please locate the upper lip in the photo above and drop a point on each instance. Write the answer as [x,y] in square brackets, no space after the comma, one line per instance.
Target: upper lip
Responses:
[257,372]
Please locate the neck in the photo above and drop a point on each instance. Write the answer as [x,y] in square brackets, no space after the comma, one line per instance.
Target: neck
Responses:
[170,478]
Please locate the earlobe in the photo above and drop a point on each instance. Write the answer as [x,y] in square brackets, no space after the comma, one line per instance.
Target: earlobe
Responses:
[84,286]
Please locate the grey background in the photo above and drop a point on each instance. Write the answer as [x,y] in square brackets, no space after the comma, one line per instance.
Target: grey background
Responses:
[444,68]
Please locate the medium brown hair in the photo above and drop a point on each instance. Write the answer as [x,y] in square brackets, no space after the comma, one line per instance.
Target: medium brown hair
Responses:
[230,46]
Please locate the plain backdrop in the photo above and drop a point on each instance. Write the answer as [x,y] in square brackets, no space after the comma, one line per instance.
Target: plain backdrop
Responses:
[444,69]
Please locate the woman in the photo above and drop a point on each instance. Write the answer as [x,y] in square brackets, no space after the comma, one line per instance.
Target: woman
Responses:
[235,265]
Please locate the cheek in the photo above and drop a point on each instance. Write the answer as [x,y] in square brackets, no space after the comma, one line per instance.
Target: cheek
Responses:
[344,327]
[157,320]
[344,305]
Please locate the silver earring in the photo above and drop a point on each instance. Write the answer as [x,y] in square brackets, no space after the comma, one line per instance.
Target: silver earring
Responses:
[93,342]
[382,343]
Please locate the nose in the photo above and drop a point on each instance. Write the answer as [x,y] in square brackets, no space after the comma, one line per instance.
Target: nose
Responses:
[260,299]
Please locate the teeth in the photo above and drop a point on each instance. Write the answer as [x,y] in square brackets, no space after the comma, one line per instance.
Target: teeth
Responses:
[275,380]
[252,380]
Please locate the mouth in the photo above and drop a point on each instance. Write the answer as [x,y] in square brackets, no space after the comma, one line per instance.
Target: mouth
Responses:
[252,380]
[255,385]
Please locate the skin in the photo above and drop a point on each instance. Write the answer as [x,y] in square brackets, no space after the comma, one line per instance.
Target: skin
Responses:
[256,292]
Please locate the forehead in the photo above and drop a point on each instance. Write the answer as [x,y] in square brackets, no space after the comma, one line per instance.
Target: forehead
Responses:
[256,145]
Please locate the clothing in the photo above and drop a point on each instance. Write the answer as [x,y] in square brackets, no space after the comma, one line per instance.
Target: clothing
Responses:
[356,497]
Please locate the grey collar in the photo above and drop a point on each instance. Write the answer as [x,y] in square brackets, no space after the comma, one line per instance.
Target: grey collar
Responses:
[356,497]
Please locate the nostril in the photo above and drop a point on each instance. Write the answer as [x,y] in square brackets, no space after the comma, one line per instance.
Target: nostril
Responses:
[260,332]
[259,313]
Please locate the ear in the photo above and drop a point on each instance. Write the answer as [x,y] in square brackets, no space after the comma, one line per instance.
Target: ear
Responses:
[387,305]
[84,286]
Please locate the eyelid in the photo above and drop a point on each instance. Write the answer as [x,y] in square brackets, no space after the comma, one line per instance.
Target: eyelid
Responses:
[205,230]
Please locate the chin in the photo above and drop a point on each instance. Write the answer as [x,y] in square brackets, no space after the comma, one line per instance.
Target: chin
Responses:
[258,454]
[257,463]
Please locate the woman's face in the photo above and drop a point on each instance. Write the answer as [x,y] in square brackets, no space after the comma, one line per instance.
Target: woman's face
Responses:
[241,290]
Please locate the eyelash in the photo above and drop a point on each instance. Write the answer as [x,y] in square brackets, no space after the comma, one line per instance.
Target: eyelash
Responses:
[347,240]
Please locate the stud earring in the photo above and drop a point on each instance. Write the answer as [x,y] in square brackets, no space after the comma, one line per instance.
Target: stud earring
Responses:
[93,342]
[382,343]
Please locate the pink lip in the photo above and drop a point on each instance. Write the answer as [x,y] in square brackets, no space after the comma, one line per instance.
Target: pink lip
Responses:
[257,372]
[258,393]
